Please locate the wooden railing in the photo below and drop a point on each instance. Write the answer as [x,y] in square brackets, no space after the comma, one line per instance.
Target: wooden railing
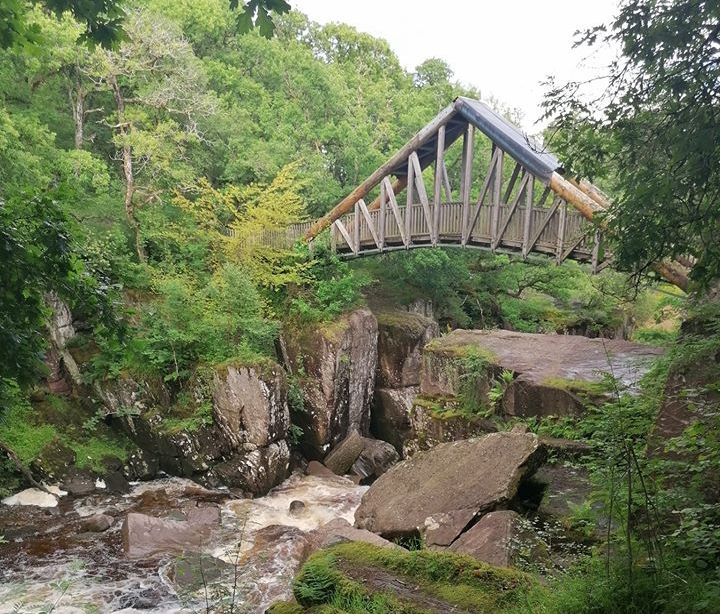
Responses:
[559,231]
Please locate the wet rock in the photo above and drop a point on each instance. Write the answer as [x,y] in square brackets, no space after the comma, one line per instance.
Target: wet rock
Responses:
[146,536]
[250,404]
[440,491]
[256,471]
[141,465]
[79,482]
[374,460]
[278,553]
[319,470]
[502,539]
[338,362]
[97,523]
[340,530]
[296,508]
[115,482]
[344,454]
[401,338]
[193,571]
[36,497]
[553,374]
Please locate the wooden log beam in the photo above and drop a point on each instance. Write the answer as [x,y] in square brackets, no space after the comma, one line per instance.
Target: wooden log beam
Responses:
[347,204]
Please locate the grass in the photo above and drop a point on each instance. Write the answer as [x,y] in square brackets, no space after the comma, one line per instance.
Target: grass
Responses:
[464,349]
[459,580]
[202,416]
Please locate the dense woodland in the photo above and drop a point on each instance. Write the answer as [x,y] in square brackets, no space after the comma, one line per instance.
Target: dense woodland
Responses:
[127,155]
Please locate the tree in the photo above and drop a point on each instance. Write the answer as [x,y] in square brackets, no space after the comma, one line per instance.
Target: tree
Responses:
[651,135]
[159,94]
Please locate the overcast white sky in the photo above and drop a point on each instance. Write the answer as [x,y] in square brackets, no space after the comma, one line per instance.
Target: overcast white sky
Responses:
[504,47]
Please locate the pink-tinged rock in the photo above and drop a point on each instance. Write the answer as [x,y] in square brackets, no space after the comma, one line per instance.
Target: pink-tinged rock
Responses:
[147,536]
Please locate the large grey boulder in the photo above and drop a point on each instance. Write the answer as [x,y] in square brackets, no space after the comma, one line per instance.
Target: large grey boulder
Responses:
[439,492]
[502,539]
[340,530]
[250,404]
[337,362]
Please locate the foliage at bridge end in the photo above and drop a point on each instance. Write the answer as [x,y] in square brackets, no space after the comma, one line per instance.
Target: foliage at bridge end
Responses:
[650,136]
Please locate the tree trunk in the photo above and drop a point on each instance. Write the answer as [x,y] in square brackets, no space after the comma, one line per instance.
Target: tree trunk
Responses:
[77,105]
[123,128]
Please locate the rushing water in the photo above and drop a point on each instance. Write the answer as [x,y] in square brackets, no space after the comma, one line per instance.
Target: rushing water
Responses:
[49,562]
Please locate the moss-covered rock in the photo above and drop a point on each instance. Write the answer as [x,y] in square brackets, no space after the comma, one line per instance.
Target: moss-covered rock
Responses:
[359,577]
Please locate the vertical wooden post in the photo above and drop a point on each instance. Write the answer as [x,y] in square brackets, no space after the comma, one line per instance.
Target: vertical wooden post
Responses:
[438,185]
[596,252]
[383,209]
[356,229]
[410,196]
[466,179]
[561,232]
[496,196]
[527,221]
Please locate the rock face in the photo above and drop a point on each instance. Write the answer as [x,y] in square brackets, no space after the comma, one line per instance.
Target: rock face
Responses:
[338,363]
[250,404]
[401,339]
[502,539]
[439,492]
[146,536]
[552,374]
[244,444]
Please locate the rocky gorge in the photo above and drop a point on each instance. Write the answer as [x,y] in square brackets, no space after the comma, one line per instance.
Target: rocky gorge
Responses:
[374,428]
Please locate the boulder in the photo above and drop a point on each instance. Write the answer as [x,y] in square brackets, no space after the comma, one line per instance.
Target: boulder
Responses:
[374,460]
[257,471]
[319,470]
[194,571]
[340,530]
[552,374]
[79,482]
[337,362]
[401,338]
[36,497]
[344,454]
[250,404]
[502,539]
[146,536]
[141,465]
[97,523]
[439,492]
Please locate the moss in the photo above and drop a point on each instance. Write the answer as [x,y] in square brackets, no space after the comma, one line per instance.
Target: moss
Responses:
[286,607]
[451,348]
[21,431]
[578,386]
[91,451]
[461,581]
[202,416]
[413,323]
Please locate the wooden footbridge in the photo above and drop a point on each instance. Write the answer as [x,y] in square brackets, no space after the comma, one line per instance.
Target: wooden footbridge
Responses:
[518,202]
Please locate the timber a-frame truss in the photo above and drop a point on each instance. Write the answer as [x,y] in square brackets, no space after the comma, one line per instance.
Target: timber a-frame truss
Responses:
[519,202]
